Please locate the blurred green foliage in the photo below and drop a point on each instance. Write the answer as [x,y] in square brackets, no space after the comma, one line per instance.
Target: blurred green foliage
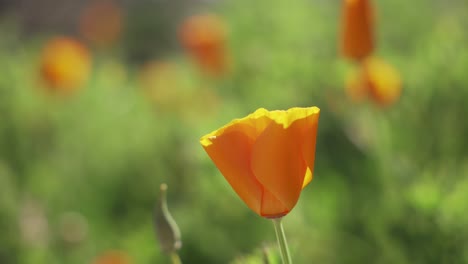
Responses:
[390,184]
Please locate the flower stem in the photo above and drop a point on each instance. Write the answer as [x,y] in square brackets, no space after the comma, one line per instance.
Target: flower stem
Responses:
[282,243]
[175,258]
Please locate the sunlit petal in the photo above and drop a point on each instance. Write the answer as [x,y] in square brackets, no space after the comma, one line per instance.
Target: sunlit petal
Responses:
[357,33]
[278,164]
[230,151]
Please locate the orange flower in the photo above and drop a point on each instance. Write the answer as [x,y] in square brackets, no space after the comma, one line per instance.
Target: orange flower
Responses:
[101,22]
[357,33]
[65,64]
[383,81]
[267,157]
[112,257]
[376,79]
[204,37]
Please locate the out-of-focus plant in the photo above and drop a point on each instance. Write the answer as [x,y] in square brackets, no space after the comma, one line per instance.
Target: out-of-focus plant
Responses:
[204,38]
[65,64]
[357,36]
[33,224]
[267,158]
[171,91]
[355,88]
[101,22]
[263,255]
[161,83]
[73,228]
[167,231]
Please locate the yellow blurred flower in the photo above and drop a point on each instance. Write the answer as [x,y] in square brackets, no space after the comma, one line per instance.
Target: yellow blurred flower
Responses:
[65,64]
[101,22]
[267,157]
[383,80]
[204,38]
[357,39]
[375,79]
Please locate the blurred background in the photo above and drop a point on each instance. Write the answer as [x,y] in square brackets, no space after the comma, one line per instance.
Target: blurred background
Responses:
[101,101]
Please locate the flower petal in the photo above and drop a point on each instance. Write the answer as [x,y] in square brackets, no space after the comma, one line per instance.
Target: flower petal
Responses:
[308,134]
[358,23]
[271,207]
[280,155]
[278,165]
[307,178]
[252,125]
[383,80]
[230,151]
[306,122]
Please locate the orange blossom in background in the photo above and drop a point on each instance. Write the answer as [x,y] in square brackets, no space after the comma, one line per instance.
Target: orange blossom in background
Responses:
[204,38]
[65,64]
[375,79]
[267,157]
[112,257]
[357,39]
[383,80]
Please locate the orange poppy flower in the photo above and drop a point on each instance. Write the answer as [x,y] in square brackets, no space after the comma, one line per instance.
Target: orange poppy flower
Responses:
[112,257]
[374,79]
[267,157]
[100,23]
[357,29]
[204,37]
[383,81]
[65,64]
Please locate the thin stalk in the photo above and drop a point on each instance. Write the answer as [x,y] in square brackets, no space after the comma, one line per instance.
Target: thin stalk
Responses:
[282,243]
[175,258]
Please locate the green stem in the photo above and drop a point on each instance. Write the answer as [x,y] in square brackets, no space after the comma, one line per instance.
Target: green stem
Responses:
[175,258]
[282,243]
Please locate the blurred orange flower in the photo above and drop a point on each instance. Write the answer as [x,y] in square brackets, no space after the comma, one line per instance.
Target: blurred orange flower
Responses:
[267,157]
[204,37]
[112,257]
[65,64]
[100,22]
[357,40]
[383,80]
[375,79]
